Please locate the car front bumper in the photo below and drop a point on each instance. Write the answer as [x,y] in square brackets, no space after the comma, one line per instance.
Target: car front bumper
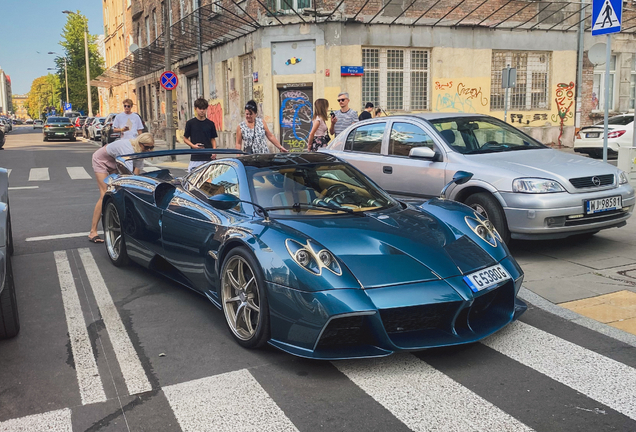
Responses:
[558,215]
[359,323]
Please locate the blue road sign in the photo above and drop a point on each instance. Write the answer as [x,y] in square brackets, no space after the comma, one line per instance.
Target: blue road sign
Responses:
[68,106]
[169,80]
[607,16]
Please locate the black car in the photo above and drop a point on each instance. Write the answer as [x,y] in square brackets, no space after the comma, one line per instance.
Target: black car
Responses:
[2,139]
[108,136]
[58,128]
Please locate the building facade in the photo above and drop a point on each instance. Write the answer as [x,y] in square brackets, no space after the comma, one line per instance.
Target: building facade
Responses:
[19,109]
[6,106]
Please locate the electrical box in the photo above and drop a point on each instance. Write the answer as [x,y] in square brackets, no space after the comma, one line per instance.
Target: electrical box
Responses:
[627,162]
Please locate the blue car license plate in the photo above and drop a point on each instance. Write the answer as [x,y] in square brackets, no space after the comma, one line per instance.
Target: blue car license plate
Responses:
[486,278]
[603,204]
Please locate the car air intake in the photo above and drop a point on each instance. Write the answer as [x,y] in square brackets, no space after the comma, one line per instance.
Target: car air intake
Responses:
[593,181]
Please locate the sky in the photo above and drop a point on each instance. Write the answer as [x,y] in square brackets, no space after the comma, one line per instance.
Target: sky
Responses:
[32,28]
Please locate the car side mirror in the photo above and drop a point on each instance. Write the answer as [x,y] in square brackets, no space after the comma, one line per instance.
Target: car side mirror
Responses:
[422,153]
[224,201]
[460,177]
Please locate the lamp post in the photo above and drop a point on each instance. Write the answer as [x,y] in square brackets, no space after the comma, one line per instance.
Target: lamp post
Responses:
[88,73]
[65,74]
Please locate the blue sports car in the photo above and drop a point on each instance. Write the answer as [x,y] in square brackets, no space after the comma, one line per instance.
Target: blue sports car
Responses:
[306,253]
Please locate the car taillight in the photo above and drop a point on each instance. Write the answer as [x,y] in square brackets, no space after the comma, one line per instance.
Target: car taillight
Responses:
[46,126]
[578,135]
[616,134]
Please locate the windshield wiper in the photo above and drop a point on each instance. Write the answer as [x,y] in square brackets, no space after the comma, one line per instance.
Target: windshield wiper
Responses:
[297,207]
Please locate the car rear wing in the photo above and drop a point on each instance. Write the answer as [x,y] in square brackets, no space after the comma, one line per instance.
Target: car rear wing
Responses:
[123,169]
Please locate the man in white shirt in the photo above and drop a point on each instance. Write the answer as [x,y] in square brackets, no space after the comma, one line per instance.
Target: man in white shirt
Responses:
[128,122]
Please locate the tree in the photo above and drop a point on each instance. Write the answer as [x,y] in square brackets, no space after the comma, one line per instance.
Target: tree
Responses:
[73,44]
[44,96]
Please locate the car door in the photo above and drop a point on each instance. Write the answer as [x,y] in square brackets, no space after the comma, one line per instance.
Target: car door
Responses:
[190,224]
[404,175]
[363,148]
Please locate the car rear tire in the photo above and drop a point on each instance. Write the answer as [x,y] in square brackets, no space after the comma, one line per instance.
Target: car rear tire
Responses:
[114,236]
[73,139]
[45,139]
[9,321]
[244,300]
[487,206]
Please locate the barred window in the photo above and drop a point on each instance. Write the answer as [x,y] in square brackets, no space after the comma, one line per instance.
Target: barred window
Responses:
[246,70]
[288,5]
[532,89]
[396,79]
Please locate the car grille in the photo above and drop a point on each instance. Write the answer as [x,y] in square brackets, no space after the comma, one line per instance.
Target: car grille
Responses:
[352,330]
[424,317]
[594,218]
[588,182]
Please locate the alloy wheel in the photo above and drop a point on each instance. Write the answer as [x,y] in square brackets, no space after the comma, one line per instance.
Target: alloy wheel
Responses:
[113,232]
[241,299]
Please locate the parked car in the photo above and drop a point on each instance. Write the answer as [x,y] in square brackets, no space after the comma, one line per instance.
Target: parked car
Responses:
[528,191]
[95,129]
[58,128]
[29,121]
[79,123]
[2,139]
[108,135]
[620,132]
[4,124]
[72,115]
[85,126]
[38,124]
[261,237]
[9,321]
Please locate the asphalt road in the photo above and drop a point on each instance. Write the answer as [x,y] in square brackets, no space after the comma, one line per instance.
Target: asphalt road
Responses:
[116,349]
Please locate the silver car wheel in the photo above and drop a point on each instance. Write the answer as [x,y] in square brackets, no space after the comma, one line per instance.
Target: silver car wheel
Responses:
[112,231]
[240,296]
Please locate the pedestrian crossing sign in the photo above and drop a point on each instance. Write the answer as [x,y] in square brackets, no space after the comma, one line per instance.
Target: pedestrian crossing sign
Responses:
[606,16]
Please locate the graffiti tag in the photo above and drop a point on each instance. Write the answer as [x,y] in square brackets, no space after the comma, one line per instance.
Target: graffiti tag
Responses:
[519,118]
[564,101]
[455,103]
[442,86]
[471,93]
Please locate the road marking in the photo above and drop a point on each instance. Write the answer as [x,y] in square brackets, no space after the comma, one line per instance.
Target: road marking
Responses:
[59,236]
[219,403]
[58,421]
[78,173]
[131,368]
[598,377]
[90,383]
[23,187]
[39,174]
[425,399]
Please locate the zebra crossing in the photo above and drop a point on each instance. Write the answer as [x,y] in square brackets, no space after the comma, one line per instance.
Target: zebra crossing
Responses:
[586,387]
[37,175]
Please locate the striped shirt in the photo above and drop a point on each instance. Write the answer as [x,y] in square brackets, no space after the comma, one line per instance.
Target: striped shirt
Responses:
[345,119]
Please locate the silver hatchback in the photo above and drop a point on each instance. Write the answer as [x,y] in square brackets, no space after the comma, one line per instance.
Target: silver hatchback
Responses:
[527,190]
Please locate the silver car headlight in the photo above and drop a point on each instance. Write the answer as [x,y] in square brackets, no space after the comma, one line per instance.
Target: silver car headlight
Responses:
[536,186]
[312,258]
[622,177]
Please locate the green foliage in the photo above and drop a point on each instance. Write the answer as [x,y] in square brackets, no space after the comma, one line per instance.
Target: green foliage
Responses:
[73,44]
[44,96]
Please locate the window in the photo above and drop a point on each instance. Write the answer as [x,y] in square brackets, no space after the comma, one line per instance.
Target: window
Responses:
[226,87]
[532,90]
[288,5]
[366,139]
[598,92]
[147,22]
[632,83]
[154,22]
[139,35]
[218,179]
[246,70]
[405,136]
[193,94]
[396,79]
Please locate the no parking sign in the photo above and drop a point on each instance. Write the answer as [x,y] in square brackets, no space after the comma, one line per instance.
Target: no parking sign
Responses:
[169,80]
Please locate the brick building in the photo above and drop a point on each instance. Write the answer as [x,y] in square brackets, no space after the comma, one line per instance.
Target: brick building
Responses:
[430,55]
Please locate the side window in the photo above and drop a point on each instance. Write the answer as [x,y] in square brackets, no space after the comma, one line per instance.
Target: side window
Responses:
[366,139]
[218,179]
[405,136]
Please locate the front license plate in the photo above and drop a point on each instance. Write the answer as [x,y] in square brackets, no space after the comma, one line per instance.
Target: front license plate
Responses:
[603,204]
[592,135]
[486,278]
[60,133]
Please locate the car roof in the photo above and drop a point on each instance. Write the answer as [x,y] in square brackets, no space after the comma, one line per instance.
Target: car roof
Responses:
[277,160]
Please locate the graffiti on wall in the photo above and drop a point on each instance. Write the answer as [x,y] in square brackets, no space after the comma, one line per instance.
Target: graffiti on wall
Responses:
[528,118]
[564,101]
[464,98]
[441,86]
[295,118]
[215,113]
[471,93]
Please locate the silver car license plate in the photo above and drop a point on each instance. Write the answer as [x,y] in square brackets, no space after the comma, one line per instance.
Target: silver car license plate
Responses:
[603,204]
[592,135]
[486,278]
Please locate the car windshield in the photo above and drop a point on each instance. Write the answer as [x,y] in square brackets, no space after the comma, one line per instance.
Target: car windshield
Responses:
[58,120]
[315,189]
[619,120]
[478,135]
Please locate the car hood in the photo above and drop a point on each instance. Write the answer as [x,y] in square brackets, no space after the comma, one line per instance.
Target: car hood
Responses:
[394,247]
[543,163]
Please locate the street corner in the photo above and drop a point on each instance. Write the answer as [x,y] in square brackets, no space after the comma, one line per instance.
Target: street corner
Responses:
[617,309]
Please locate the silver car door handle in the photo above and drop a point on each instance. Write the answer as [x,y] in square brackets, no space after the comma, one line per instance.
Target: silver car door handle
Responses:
[387,170]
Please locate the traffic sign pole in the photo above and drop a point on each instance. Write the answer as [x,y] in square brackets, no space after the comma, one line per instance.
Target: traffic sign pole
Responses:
[608,55]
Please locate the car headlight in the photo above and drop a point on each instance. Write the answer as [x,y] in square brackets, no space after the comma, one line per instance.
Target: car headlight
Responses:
[484,229]
[536,186]
[312,258]
[622,177]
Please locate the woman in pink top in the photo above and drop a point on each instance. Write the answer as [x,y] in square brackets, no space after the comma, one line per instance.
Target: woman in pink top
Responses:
[104,164]
[319,137]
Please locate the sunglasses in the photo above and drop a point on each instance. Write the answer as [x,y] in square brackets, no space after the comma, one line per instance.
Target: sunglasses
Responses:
[127,106]
[148,147]
[341,100]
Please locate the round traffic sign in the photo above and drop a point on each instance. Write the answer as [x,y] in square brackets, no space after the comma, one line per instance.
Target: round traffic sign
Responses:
[169,80]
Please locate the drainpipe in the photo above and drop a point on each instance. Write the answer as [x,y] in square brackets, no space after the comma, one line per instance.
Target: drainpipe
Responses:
[200,61]
[579,69]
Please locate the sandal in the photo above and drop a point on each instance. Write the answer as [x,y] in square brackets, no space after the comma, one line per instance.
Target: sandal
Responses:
[96,239]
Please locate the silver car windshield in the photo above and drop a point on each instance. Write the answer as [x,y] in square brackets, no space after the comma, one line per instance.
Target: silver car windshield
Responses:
[478,135]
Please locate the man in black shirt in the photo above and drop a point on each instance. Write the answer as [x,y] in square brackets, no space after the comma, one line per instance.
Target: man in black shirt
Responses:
[366,114]
[200,132]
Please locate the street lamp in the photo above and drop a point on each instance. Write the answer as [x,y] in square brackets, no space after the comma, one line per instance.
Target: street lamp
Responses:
[88,73]
[65,74]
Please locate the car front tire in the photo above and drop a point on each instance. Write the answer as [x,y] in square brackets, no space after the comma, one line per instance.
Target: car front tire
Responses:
[9,321]
[487,206]
[244,299]
[114,236]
